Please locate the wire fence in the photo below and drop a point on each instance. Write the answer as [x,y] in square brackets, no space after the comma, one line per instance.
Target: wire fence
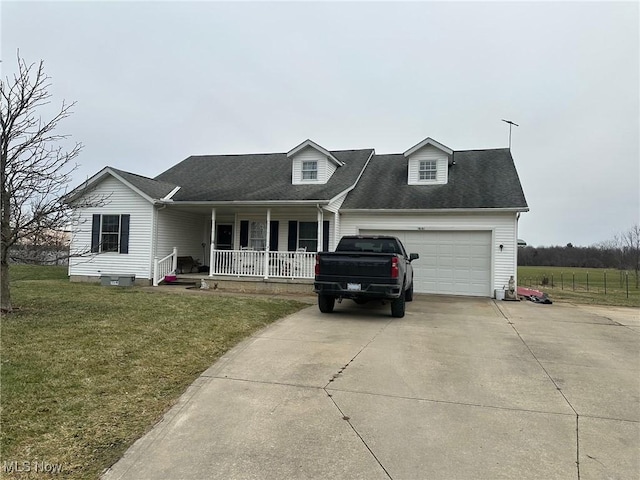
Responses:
[604,282]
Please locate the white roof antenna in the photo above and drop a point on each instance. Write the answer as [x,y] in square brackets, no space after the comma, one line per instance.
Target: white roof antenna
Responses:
[511,124]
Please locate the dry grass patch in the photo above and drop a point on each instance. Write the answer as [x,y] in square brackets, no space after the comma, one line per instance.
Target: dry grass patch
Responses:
[86,370]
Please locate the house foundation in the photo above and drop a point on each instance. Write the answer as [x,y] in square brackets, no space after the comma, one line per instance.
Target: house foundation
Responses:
[254,285]
[138,282]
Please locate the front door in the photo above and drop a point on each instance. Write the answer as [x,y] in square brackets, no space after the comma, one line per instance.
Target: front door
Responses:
[224,237]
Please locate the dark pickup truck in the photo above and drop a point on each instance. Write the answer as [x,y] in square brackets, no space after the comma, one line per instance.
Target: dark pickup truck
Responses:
[365,268]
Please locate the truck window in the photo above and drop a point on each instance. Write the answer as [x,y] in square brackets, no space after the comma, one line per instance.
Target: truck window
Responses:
[370,245]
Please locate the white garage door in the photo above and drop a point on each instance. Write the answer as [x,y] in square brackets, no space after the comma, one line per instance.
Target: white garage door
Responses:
[451,262]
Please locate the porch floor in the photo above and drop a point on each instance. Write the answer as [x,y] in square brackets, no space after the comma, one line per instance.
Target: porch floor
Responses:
[228,283]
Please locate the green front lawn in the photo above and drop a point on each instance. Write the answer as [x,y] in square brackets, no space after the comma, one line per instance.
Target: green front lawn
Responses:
[86,370]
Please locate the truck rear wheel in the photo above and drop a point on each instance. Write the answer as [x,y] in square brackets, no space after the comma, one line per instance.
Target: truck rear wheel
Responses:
[397,306]
[326,303]
[409,293]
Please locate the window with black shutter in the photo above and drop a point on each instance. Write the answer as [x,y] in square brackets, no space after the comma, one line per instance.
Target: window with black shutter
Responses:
[110,233]
[305,235]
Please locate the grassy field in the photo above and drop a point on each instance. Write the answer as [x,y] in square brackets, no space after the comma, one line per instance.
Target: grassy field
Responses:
[583,285]
[86,370]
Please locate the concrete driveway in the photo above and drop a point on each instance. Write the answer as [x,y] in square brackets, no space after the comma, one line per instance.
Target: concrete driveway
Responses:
[457,389]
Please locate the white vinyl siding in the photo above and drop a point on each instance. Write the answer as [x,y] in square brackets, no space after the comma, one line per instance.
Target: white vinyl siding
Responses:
[428,154]
[502,228]
[325,167]
[185,230]
[335,204]
[119,200]
[335,233]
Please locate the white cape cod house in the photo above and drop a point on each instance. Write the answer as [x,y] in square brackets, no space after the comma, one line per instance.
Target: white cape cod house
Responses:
[262,217]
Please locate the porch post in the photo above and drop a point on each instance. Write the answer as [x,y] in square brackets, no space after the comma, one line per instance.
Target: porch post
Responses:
[336,229]
[267,245]
[320,225]
[174,260]
[213,242]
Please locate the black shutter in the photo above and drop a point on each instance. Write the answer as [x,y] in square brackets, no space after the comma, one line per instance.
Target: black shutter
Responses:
[273,236]
[95,234]
[124,233]
[244,233]
[293,236]
[325,236]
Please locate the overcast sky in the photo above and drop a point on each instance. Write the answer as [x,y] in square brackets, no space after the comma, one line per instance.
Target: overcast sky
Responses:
[156,82]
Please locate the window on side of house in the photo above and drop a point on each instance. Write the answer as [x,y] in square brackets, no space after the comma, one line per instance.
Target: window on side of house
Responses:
[310,170]
[427,170]
[308,236]
[110,233]
[257,235]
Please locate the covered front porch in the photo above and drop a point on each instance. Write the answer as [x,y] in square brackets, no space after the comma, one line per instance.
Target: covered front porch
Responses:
[245,242]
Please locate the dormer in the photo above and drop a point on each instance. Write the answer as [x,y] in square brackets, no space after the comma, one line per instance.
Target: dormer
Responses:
[428,163]
[311,164]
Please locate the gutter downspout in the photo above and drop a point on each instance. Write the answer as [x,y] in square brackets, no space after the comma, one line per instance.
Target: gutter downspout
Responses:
[515,254]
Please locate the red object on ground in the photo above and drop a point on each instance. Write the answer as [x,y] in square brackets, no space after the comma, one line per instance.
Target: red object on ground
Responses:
[170,278]
[533,295]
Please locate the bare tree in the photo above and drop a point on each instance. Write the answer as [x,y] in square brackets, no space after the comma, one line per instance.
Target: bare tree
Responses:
[35,168]
[611,252]
[631,242]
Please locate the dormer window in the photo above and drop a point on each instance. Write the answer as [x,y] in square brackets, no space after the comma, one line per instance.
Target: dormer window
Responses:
[428,162]
[428,169]
[310,170]
[311,164]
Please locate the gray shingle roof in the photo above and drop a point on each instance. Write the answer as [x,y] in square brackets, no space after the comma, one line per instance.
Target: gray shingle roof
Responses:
[478,179]
[256,177]
[153,188]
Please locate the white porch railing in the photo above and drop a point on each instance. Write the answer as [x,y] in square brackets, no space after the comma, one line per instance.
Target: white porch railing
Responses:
[251,263]
[164,266]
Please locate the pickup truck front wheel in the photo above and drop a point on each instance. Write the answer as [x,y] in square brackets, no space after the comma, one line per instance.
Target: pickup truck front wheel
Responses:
[397,306]
[326,303]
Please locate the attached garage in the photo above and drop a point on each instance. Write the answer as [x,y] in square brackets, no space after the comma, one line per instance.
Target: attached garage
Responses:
[458,210]
[452,262]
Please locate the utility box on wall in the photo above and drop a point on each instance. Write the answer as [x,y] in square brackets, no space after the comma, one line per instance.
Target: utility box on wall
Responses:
[117,280]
